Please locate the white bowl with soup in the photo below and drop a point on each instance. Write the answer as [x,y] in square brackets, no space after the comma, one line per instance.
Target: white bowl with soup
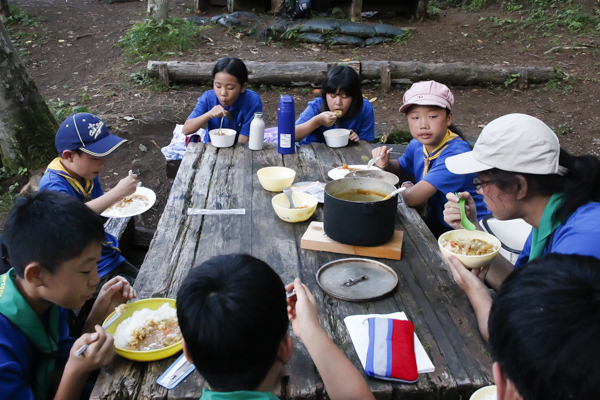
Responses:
[222,137]
[336,137]
[474,249]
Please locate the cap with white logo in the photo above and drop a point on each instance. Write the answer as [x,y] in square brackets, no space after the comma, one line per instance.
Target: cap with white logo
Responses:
[514,142]
[87,133]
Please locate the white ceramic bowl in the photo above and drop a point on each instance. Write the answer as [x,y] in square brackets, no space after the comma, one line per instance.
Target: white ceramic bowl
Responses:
[274,179]
[227,139]
[337,137]
[281,205]
[470,261]
[484,393]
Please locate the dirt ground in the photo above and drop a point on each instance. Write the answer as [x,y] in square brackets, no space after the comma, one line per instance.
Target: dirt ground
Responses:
[72,51]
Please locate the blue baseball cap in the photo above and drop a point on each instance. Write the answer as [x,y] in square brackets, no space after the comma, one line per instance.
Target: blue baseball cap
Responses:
[87,133]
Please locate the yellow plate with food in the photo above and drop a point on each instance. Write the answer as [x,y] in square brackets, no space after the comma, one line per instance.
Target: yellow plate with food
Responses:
[141,201]
[147,330]
[475,249]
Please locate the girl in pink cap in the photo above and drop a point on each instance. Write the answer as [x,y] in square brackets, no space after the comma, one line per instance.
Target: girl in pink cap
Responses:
[428,108]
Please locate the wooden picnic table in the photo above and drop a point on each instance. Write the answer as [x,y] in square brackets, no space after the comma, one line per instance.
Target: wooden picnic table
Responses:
[226,179]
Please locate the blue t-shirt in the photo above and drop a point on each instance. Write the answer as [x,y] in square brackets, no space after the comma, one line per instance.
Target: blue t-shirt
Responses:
[18,357]
[413,163]
[579,235]
[243,111]
[111,257]
[363,124]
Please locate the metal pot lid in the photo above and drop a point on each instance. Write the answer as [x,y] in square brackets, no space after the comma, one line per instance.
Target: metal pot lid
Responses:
[356,279]
[390,178]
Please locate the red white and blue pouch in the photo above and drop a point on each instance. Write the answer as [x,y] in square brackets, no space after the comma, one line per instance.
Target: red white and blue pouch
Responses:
[391,351]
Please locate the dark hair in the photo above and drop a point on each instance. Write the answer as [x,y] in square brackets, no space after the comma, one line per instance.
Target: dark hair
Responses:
[232,311]
[343,79]
[579,186]
[544,327]
[452,127]
[49,228]
[232,66]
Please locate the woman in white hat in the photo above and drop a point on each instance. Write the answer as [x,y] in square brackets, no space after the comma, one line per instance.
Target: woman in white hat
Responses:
[523,173]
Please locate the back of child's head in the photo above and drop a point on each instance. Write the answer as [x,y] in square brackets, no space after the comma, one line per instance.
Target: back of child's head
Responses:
[544,328]
[232,312]
[49,228]
[343,79]
[232,66]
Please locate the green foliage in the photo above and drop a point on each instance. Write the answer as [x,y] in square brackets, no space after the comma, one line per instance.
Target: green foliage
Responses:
[337,13]
[149,39]
[402,39]
[512,80]
[141,78]
[398,136]
[20,17]
[562,130]
[559,81]
[62,110]
[477,5]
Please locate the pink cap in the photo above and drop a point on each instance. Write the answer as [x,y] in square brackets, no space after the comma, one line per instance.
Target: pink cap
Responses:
[428,93]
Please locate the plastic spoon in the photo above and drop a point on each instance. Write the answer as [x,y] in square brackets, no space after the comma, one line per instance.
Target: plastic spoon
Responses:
[464,221]
[221,126]
[395,192]
[372,161]
[288,192]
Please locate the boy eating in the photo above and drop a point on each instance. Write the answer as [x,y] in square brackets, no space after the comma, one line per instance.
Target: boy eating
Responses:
[54,269]
[233,315]
[83,143]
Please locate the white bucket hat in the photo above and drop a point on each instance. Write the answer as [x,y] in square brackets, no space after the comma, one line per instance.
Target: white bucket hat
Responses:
[515,143]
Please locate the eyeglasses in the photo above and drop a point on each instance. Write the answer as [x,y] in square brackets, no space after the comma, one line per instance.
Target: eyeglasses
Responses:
[479,184]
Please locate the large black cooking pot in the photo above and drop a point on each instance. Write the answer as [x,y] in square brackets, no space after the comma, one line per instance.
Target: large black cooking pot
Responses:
[359,223]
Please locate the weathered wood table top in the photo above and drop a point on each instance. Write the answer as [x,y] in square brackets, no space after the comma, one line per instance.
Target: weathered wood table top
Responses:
[226,179]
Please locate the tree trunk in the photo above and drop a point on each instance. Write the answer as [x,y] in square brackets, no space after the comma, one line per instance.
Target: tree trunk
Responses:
[4,8]
[27,127]
[159,10]
[302,73]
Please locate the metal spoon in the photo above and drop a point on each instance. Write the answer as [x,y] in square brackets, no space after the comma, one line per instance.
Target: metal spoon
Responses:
[288,192]
[395,192]
[221,124]
[464,221]
[372,161]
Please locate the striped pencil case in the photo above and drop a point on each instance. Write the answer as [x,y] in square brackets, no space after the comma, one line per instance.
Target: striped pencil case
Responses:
[391,352]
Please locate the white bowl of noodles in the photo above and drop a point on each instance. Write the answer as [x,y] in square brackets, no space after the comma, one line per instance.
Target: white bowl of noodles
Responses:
[474,249]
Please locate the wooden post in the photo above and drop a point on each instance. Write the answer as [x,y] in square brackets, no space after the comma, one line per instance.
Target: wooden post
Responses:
[421,9]
[201,5]
[356,10]
[230,6]
[158,10]
[523,79]
[163,75]
[386,79]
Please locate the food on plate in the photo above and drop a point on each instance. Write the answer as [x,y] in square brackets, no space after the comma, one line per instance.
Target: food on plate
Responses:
[121,308]
[149,329]
[345,166]
[468,247]
[130,204]
[338,113]
[304,206]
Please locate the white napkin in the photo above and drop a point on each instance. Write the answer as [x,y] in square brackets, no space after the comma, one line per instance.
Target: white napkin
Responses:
[359,333]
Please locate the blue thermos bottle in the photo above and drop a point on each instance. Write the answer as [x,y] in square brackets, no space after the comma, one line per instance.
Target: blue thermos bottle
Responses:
[286,137]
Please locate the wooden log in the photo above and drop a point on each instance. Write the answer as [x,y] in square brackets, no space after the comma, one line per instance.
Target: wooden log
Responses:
[386,79]
[163,75]
[295,73]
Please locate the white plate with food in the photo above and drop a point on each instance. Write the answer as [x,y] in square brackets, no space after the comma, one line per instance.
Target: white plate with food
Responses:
[139,202]
[341,172]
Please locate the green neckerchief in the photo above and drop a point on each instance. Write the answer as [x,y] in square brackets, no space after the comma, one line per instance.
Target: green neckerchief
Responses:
[540,236]
[208,394]
[18,311]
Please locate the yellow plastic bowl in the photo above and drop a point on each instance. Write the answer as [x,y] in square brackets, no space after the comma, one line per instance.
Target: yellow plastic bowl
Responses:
[485,393]
[135,355]
[274,179]
[471,261]
[281,204]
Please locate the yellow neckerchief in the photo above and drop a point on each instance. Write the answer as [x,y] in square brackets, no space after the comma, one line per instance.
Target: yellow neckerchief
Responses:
[57,167]
[437,151]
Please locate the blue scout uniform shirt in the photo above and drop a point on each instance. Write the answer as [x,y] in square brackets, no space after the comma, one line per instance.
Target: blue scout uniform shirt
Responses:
[579,235]
[208,394]
[110,258]
[413,163]
[243,111]
[363,124]
[18,357]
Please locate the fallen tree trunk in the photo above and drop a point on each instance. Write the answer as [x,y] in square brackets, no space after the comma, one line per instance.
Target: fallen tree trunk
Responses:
[297,73]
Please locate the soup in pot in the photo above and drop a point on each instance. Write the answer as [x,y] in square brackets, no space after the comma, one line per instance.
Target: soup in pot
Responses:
[360,195]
